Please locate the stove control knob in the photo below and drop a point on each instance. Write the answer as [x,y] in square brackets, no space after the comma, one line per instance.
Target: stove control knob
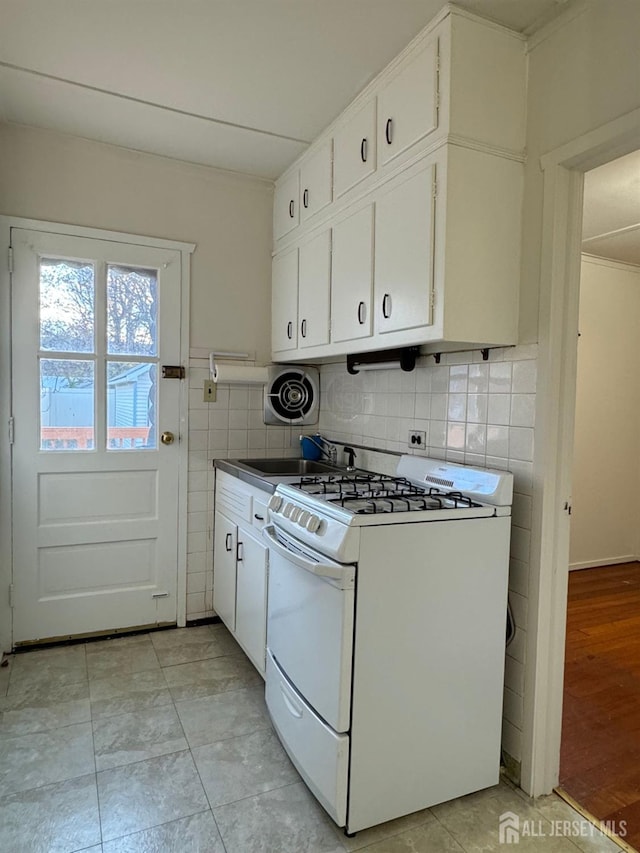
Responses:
[313,524]
[296,512]
[288,509]
[275,502]
[303,518]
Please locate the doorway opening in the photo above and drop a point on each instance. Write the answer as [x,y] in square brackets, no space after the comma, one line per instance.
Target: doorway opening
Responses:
[600,747]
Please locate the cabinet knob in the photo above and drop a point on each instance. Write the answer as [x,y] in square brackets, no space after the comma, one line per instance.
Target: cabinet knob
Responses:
[289,329]
[363,149]
[303,328]
[388,131]
[361,313]
[305,199]
[291,208]
[386,306]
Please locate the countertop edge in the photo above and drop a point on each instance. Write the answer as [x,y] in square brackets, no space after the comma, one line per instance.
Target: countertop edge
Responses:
[256,480]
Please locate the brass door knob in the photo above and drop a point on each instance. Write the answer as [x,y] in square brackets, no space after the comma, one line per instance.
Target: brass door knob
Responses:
[167,438]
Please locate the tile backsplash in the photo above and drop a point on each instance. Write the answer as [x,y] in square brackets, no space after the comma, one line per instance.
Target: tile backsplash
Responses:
[230,428]
[471,411]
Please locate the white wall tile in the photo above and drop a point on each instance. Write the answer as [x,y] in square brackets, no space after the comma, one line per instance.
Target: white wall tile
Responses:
[521,443]
[511,740]
[238,399]
[499,409]
[477,408]
[196,582]
[500,377]
[238,418]
[197,501]
[198,419]
[197,439]
[458,378]
[513,708]
[439,403]
[478,378]
[455,436]
[498,441]
[457,407]
[524,377]
[523,409]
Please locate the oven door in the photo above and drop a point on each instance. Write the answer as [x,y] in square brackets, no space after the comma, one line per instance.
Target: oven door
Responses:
[310,624]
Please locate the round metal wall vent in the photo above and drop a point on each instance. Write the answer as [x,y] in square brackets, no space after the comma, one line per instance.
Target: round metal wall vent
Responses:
[291,396]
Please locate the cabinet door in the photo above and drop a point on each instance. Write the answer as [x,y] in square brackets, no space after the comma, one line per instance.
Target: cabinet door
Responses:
[313,291]
[284,301]
[404,254]
[352,276]
[286,213]
[355,149]
[316,181]
[408,104]
[251,610]
[224,570]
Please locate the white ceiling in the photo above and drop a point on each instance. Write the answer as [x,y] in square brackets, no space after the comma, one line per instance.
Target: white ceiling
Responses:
[243,85]
[611,217]
[238,84]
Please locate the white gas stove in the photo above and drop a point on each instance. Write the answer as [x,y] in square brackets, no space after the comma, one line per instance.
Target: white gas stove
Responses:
[386,634]
[316,509]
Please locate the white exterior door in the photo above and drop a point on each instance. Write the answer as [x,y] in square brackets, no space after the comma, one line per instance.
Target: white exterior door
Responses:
[95,488]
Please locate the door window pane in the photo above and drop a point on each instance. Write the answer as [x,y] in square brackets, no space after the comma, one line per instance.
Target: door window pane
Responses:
[67,297]
[132,311]
[131,406]
[66,404]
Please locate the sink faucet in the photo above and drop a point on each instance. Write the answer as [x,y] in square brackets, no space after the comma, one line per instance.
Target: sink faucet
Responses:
[322,444]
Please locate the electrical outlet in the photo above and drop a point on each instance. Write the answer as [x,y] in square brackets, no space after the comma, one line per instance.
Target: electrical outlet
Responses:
[210,389]
[417,439]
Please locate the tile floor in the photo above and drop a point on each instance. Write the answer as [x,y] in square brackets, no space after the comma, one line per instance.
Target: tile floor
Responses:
[161,742]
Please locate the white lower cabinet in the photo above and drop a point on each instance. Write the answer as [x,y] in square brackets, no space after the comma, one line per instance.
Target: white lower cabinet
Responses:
[225,546]
[251,596]
[241,564]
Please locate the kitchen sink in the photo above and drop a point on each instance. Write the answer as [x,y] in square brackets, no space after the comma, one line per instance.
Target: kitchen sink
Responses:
[286,467]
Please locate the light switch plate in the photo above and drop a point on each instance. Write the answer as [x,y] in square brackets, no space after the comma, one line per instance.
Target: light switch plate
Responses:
[210,388]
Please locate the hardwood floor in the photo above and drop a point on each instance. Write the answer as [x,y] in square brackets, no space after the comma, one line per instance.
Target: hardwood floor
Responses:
[600,755]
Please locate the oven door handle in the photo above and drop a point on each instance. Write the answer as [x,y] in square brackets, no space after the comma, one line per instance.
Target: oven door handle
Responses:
[333,571]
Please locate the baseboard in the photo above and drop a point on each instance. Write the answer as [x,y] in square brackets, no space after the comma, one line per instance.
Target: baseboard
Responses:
[603,561]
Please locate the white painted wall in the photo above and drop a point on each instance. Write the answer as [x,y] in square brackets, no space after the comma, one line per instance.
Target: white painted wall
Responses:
[45,175]
[607,431]
[583,72]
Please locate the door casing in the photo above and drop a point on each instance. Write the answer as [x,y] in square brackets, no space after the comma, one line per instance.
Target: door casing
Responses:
[563,170]
[6,569]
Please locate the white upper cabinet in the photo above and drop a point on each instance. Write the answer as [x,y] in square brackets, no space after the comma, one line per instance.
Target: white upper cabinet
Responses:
[316,181]
[404,254]
[354,148]
[284,301]
[286,209]
[408,103]
[352,276]
[425,209]
[314,283]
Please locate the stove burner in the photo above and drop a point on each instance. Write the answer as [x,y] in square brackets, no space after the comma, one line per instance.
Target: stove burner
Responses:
[363,493]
